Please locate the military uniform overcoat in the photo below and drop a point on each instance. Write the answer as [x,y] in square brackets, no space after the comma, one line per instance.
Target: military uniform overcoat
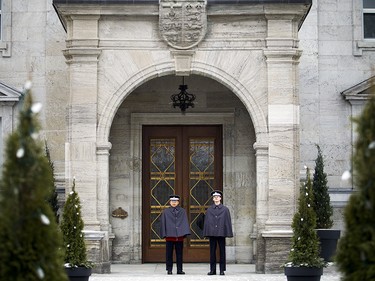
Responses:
[217,222]
[174,223]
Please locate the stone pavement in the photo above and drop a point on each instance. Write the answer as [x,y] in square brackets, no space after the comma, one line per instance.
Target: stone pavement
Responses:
[195,272]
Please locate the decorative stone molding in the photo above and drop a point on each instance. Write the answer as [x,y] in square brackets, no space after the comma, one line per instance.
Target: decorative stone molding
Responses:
[5,48]
[120,213]
[182,23]
[9,95]
[357,96]
[82,55]
[261,149]
[183,62]
[282,55]
[103,148]
[8,98]
[360,92]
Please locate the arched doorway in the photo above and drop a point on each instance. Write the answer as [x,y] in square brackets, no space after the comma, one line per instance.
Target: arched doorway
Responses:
[217,108]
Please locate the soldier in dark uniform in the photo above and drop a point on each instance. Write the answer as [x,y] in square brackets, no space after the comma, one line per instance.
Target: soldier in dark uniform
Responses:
[174,228]
[217,226]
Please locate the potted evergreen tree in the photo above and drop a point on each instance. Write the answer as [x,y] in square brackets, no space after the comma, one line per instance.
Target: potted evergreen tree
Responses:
[304,262]
[322,205]
[52,199]
[30,240]
[77,266]
[356,248]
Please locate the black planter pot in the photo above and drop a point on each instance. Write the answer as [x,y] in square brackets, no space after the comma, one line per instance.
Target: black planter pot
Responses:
[328,243]
[303,273]
[78,273]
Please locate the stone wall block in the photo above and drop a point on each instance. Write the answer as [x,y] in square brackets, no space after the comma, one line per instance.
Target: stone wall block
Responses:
[277,252]
[97,244]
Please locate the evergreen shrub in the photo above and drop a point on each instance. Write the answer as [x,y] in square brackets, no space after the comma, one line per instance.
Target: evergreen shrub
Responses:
[72,229]
[305,242]
[355,255]
[322,201]
[30,240]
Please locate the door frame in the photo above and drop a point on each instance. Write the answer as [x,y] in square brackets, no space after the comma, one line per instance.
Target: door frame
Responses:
[135,162]
[180,135]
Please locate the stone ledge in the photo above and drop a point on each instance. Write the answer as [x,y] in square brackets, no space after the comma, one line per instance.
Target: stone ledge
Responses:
[209,2]
[277,234]
[97,244]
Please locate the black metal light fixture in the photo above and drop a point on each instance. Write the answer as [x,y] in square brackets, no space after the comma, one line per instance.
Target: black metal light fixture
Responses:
[183,100]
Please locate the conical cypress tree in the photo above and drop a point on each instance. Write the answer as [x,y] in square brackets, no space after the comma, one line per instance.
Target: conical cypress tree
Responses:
[356,250]
[72,227]
[305,242]
[52,199]
[30,241]
[322,201]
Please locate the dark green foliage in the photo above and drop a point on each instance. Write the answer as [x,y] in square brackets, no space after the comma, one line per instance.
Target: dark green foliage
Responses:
[305,242]
[72,227]
[30,240]
[322,201]
[52,199]
[356,250]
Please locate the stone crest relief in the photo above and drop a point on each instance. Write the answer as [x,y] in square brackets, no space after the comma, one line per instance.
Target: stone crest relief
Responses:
[182,23]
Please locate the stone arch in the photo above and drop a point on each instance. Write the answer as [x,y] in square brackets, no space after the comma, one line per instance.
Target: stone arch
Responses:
[113,104]
[256,114]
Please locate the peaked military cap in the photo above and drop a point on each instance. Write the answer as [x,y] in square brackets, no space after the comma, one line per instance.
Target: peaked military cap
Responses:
[174,198]
[217,193]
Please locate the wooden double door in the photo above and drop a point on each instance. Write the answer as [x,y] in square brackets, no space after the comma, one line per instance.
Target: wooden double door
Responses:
[183,160]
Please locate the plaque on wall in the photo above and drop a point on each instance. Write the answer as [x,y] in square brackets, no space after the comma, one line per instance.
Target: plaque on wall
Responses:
[182,23]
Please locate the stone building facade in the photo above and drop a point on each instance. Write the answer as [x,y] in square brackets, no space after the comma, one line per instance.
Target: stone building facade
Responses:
[273,78]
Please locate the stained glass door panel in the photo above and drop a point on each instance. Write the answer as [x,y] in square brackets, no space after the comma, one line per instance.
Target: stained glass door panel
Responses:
[162,182]
[201,183]
[183,160]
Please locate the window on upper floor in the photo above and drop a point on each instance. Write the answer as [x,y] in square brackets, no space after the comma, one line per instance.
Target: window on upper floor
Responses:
[5,28]
[4,45]
[363,26]
[0,18]
[369,19]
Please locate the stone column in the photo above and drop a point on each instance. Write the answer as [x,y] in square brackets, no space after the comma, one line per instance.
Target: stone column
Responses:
[86,160]
[82,57]
[283,122]
[261,202]
[81,145]
[103,185]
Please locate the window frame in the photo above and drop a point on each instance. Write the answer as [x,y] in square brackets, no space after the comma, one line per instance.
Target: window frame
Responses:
[6,28]
[1,25]
[360,43]
[366,11]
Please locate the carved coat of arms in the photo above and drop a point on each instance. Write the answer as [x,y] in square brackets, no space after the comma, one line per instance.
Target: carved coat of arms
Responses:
[182,23]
